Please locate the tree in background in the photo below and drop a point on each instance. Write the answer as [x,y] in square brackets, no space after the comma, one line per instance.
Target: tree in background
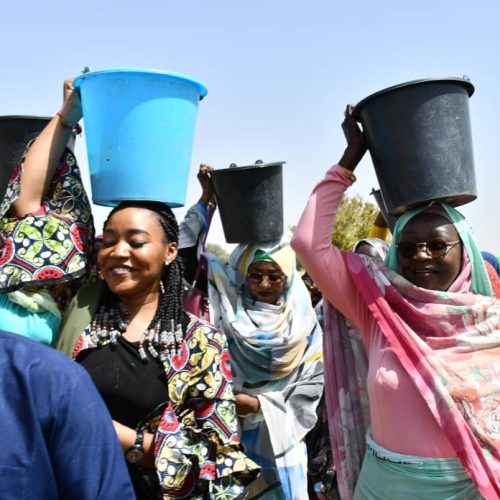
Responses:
[354,221]
[218,251]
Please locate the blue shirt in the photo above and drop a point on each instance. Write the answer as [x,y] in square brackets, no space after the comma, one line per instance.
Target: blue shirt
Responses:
[58,440]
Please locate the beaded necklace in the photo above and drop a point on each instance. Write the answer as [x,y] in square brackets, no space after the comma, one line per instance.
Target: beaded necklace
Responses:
[110,322]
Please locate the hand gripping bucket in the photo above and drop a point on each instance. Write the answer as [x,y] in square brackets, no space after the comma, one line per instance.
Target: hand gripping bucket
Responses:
[250,201]
[389,219]
[16,132]
[139,128]
[419,137]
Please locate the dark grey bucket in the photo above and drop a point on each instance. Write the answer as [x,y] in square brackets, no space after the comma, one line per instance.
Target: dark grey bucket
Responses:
[250,201]
[389,219]
[16,131]
[419,137]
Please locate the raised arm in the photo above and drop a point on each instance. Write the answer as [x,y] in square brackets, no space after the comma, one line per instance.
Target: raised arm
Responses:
[312,238]
[45,153]
[195,223]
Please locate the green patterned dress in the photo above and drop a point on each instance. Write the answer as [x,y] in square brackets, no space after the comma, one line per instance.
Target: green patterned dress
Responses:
[46,251]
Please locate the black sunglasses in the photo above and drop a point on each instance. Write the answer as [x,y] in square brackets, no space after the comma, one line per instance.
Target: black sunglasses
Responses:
[435,248]
[259,278]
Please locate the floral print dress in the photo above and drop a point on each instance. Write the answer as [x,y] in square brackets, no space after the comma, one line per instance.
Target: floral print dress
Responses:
[50,246]
[196,446]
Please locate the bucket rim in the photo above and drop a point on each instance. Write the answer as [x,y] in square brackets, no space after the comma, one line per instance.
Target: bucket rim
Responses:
[248,167]
[202,90]
[469,87]
[25,117]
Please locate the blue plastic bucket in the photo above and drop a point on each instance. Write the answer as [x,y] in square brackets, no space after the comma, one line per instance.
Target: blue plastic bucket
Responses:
[139,129]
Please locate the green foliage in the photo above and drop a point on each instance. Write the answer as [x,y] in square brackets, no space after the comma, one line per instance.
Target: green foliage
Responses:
[354,220]
[218,251]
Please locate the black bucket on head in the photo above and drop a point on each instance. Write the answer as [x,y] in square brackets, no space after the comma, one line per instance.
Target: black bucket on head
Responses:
[15,134]
[389,219]
[419,137]
[16,131]
[250,201]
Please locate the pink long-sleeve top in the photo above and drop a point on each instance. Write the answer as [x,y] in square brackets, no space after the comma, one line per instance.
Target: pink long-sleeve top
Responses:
[400,418]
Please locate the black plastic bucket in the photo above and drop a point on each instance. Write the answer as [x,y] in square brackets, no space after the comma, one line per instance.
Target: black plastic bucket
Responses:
[389,219]
[419,137]
[15,134]
[250,201]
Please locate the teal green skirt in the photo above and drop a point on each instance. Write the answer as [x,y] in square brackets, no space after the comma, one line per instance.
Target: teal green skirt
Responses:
[386,475]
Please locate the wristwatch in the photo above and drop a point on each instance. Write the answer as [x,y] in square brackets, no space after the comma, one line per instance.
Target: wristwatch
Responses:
[135,453]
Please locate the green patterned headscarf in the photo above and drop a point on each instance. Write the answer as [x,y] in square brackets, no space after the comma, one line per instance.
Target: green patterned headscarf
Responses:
[480,281]
[261,256]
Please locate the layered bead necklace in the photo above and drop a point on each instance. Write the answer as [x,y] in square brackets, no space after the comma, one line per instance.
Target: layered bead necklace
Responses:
[110,322]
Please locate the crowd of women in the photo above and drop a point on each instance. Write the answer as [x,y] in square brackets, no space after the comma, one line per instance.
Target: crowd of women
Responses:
[387,387]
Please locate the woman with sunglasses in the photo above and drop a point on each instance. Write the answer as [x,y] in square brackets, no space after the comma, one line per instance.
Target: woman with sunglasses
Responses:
[431,331]
[259,301]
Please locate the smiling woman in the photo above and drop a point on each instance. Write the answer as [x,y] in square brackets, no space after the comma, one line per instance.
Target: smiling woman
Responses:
[134,252]
[430,251]
[150,359]
[430,330]
[260,302]
[266,281]
[157,368]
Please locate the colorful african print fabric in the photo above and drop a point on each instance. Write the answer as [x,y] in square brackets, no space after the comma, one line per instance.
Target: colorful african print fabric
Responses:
[51,245]
[196,447]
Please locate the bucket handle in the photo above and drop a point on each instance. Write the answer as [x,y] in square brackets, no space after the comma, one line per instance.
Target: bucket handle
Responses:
[258,163]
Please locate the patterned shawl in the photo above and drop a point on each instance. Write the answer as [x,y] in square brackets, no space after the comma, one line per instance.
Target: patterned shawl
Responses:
[276,355]
[267,341]
[449,344]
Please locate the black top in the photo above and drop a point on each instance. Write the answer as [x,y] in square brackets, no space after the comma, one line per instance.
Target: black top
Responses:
[130,387]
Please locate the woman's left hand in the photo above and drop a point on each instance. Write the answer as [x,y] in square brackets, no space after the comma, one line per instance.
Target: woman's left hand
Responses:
[356,144]
[72,106]
[207,195]
[126,436]
[246,404]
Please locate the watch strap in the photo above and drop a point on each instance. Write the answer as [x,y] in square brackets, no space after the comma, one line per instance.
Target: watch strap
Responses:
[139,439]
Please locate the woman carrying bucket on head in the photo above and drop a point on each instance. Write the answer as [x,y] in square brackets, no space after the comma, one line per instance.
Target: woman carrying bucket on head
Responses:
[431,332]
[259,301]
[160,371]
[46,232]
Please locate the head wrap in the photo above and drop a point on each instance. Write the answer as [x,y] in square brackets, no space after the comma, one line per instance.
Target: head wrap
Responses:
[267,340]
[380,246]
[480,282]
[261,256]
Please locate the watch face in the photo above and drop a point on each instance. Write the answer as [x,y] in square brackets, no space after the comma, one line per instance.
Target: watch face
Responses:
[134,455]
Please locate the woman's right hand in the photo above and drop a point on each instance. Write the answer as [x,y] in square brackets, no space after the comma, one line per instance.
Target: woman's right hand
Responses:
[71,110]
[44,155]
[356,144]
[207,186]
[246,404]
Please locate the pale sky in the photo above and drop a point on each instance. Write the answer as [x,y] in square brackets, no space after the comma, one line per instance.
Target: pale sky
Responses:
[279,74]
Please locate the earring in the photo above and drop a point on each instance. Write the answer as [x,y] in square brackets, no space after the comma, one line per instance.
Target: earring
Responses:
[168,262]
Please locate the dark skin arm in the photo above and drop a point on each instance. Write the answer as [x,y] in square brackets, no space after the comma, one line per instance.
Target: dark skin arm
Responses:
[207,195]
[126,436]
[44,155]
[246,404]
[356,144]
[380,221]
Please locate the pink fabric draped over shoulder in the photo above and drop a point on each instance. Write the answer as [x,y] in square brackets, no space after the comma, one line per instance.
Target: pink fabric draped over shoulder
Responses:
[411,409]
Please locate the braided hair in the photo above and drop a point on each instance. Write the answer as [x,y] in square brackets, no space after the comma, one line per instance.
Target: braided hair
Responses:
[169,309]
